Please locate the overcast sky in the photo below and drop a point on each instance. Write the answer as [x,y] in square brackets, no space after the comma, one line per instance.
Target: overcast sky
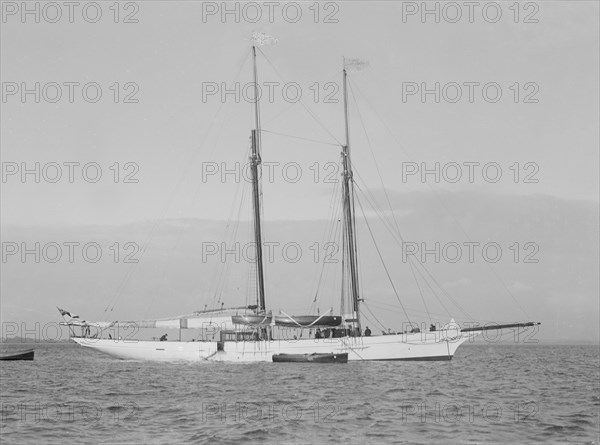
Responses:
[170,54]
[542,132]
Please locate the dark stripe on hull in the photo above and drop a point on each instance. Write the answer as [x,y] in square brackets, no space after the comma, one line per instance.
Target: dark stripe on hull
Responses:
[437,358]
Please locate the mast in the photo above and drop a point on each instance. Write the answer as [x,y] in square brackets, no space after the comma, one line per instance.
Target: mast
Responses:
[255,161]
[349,219]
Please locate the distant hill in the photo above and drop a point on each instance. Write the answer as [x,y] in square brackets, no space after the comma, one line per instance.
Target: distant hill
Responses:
[561,289]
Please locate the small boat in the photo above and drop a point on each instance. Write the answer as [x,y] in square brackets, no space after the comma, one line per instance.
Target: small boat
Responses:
[251,319]
[23,355]
[297,321]
[311,358]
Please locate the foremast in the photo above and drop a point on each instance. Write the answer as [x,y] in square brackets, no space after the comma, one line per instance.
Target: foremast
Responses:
[349,216]
[255,160]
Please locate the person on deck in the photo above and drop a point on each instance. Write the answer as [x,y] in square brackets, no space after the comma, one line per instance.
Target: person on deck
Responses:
[367,332]
[163,338]
[318,334]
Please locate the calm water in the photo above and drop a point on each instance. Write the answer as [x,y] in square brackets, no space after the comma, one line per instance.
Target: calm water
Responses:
[487,394]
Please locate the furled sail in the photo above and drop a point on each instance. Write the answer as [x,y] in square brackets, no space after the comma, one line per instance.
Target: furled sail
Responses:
[210,319]
[292,321]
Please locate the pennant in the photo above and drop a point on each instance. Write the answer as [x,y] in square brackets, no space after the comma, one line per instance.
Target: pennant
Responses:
[261,39]
[67,313]
[355,64]
[63,312]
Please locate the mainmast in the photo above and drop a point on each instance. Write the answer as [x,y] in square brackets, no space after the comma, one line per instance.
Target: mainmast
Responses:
[255,161]
[349,219]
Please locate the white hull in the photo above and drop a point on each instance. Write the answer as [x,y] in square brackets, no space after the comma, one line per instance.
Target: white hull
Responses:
[440,345]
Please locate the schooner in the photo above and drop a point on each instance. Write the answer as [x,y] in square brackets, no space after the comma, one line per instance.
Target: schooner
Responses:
[255,334]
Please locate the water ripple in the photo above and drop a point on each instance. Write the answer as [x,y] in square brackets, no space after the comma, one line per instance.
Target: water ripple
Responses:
[487,394]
